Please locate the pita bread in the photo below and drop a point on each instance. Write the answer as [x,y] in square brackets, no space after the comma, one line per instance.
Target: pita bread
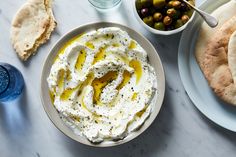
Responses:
[214,52]
[215,64]
[32,26]
[207,32]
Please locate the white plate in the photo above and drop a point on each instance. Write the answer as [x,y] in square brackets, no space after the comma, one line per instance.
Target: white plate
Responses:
[194,81]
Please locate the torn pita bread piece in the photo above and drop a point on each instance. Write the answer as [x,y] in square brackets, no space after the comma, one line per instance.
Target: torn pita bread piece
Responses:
[207,32]
[215,52]
[216,62]
[32,26]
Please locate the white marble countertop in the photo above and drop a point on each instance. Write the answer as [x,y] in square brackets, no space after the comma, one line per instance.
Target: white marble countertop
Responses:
[179,130]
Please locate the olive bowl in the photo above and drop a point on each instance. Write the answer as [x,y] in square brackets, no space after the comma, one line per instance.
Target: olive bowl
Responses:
[154,60]
[159,32]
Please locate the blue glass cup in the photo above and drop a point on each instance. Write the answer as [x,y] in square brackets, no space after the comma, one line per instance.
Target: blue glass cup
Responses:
[11,82]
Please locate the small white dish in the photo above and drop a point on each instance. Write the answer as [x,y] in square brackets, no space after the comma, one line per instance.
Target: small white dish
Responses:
[158,32]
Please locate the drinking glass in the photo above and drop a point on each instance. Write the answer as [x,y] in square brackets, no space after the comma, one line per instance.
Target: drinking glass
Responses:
[11,82]
[104,4]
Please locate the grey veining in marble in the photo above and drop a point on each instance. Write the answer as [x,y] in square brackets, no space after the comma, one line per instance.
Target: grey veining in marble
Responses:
[180,129]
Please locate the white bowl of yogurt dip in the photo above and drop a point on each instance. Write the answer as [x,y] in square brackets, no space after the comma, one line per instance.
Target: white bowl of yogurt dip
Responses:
[102,84]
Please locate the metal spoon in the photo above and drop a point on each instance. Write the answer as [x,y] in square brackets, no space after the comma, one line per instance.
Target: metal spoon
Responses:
[210,20]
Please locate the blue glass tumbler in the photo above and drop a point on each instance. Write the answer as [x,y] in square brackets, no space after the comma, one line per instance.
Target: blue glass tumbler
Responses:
[11,82]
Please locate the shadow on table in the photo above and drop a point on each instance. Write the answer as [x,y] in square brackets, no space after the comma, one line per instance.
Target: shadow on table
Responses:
[14,115]
[154,140]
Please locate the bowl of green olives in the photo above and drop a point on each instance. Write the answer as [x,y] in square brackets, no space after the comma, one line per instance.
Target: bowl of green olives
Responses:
[164,17]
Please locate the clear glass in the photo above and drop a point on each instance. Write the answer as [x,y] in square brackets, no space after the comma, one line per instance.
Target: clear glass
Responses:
[11,82]
[104,4]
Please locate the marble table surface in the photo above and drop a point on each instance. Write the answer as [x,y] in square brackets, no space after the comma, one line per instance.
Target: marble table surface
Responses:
[179,130]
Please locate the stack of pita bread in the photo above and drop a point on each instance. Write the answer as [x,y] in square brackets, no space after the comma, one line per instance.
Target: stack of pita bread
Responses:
[216,52]
[32,26]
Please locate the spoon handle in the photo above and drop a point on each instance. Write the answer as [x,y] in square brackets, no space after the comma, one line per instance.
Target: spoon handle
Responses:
[210,20]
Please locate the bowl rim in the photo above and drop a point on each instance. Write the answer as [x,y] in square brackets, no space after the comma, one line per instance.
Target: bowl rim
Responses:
[59,125]
[158,31]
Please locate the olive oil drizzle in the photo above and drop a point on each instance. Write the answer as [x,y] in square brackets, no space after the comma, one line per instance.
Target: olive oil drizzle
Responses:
[66,45]
[137,69]
[98,84]
[80,60]
[100,55]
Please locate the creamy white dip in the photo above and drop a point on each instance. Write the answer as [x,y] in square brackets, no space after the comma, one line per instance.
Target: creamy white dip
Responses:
[102,84]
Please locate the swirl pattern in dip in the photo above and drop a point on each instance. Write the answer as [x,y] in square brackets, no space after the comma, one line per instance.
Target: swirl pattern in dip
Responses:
[102,85]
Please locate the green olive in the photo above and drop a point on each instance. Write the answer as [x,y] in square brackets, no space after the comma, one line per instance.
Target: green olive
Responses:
[179,23]
[159,3]
[185,18]
[148,20]
[167,20]
[138,4]
[176,4]
[143,3]
[157,16]
[159,26]
[173,13]
[170,4]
